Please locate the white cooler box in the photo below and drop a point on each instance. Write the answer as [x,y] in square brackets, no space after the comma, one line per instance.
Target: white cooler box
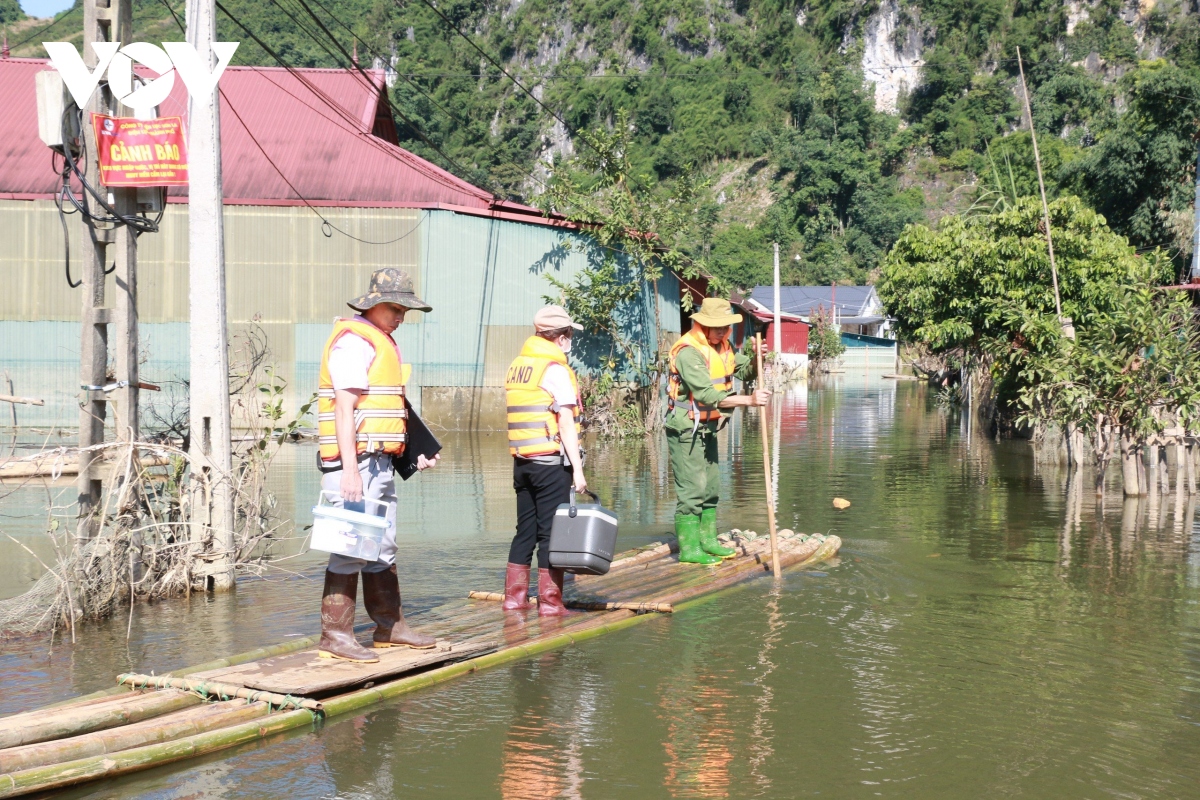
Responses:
[354,534]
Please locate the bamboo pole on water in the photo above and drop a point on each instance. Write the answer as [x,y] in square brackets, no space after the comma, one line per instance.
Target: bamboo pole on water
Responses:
[39,726]
[127,761]
[190,721]
[257,654]
[638,558]
[218,689]
[584,605]
[767,468]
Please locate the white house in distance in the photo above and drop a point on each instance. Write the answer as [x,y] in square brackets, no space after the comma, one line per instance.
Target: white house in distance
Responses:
[856,309]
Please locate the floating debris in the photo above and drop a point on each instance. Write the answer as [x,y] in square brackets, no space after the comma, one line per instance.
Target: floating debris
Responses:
[841,502]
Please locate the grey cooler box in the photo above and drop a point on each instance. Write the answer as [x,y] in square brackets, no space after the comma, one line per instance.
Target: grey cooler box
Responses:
[583,537]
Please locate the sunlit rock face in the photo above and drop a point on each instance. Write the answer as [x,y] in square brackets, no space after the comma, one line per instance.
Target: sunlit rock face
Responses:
[894,68]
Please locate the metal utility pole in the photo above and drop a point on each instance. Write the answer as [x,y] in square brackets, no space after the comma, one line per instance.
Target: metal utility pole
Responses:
[110,21]
[212,497]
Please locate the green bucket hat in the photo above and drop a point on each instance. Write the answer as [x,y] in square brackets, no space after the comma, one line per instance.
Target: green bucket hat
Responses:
[389,285]
[716,313]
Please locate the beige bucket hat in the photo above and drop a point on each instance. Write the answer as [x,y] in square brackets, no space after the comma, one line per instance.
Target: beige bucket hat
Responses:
[716,313]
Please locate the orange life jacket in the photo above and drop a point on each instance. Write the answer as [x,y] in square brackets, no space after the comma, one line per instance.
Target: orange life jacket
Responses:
[721,365]
[380,417]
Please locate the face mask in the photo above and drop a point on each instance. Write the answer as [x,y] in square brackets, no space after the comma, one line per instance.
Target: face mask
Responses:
[566,346]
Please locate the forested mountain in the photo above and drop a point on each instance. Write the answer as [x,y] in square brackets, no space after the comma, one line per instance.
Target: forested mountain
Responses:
[827,126]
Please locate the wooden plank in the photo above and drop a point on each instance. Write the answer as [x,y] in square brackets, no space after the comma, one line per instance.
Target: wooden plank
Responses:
[306,674]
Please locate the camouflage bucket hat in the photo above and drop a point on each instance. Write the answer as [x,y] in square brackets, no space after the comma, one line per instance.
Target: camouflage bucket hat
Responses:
[389,285]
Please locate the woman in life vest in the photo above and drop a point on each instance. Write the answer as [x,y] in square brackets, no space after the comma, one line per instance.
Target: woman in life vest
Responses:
[362,425]
[544,415]
[699,396]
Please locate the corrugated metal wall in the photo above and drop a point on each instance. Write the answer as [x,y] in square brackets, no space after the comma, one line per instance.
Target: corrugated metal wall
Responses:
[280,267]
[484,278]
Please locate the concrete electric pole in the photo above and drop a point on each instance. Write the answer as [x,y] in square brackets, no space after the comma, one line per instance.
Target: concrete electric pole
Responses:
[111,21]
[212,510]
[1195,273]
[777,345]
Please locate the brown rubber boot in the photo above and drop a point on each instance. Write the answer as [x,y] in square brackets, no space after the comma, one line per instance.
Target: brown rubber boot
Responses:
[550,602]
[337,620]
[381,596]
[516,587]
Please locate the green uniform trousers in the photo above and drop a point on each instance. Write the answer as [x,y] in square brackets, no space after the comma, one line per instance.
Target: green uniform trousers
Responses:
[694,465]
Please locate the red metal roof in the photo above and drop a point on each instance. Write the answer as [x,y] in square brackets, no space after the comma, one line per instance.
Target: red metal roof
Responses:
[324,131]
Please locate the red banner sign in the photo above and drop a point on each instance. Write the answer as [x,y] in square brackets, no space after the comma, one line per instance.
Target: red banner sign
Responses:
[141,152]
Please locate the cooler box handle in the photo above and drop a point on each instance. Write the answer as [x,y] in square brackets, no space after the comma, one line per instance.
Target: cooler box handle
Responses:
[364,501]
[572,511]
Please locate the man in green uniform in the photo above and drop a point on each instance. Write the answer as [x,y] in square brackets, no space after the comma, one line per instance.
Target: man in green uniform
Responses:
[699,396]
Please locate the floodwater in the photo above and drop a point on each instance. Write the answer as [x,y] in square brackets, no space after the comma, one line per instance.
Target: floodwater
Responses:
[988,632]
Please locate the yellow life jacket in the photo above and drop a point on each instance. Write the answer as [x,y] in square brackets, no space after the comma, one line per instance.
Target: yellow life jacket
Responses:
[721,365]
[380,416]
[532,412]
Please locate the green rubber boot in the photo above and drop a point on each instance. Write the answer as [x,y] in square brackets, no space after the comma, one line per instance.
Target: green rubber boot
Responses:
[687,530]
[708,535]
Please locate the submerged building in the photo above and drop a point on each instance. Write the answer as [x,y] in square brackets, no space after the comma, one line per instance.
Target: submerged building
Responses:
[856,310]
[317,195]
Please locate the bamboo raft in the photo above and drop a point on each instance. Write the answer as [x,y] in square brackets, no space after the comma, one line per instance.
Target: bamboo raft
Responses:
[147,721]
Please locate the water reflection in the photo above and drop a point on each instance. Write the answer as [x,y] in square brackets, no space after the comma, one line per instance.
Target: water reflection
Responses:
[699,733]
[762,728]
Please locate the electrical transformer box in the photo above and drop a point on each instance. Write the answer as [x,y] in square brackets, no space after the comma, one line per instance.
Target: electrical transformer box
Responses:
[56,110]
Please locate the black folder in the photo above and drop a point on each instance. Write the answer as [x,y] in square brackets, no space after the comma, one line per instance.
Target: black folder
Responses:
[421,442]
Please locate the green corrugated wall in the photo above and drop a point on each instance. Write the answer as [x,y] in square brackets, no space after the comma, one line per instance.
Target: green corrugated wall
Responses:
[484,278]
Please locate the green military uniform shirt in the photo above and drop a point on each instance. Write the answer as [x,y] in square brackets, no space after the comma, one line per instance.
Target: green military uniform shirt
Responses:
[693,373]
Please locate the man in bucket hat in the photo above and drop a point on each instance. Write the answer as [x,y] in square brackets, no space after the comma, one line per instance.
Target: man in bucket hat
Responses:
[362,426]
[699,396]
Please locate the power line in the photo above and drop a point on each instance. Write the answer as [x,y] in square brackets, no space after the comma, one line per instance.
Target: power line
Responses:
[267,49]
[566,125]
[356,66]
[325,223]
[41,30]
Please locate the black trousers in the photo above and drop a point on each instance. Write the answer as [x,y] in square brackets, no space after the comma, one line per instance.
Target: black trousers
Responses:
[540,488]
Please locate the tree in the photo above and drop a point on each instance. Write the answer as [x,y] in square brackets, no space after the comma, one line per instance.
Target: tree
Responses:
[977,282]
[10,11]
[639,230]
[1131,372]
[1142,170]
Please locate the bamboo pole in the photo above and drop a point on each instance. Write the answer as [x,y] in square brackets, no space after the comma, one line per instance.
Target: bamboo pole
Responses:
[639,558]
[767,468]
[198,719]
[39,726]
[585,605]
[45,466]
[111,765]
[218,689]
[257,654]
[107,766]
[1067,328]
[25,401]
